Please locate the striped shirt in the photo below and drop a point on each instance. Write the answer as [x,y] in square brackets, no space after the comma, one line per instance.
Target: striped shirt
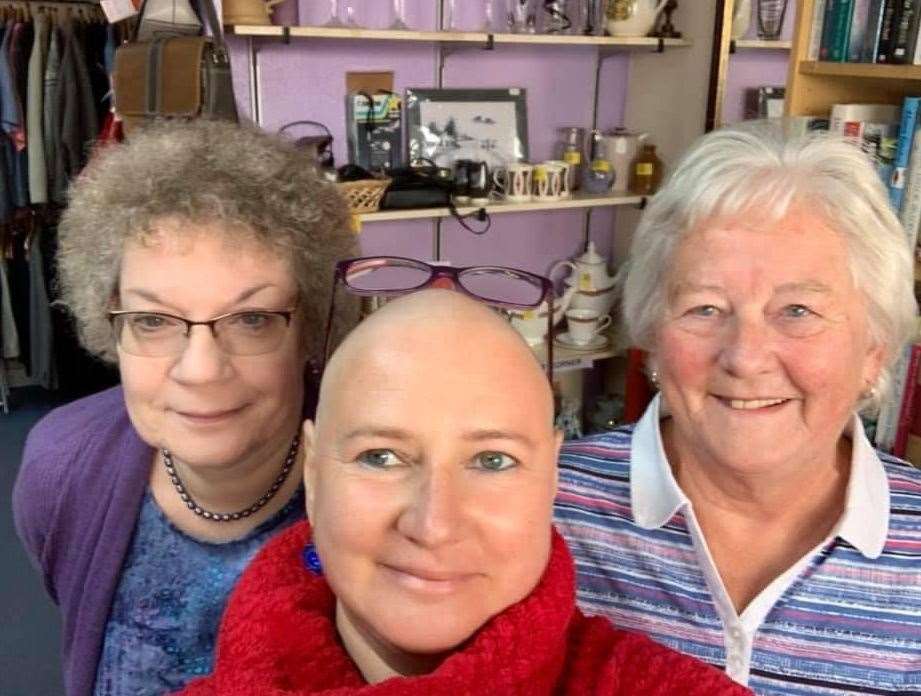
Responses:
[845,619]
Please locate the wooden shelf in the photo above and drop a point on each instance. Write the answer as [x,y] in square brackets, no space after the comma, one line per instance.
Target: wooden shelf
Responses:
[761,45]
[577,202]
[454,37]
[861,70]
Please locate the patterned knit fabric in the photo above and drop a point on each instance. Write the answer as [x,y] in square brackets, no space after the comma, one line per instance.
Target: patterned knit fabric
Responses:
[279,637]
[846,625]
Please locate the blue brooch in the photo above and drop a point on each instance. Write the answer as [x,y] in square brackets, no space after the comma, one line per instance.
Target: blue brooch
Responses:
[311,559]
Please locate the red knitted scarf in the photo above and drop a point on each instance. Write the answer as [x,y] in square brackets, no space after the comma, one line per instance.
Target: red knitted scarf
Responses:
[278,636]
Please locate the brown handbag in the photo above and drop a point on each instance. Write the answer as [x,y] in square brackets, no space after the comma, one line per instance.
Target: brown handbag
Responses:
[174,77]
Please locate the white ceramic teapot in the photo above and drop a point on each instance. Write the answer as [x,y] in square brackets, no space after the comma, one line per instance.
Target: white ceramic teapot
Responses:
[594,286]
[532,323]
[632,17]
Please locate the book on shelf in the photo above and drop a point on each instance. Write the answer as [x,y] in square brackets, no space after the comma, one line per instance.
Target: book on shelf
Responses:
[859,21]
[836,31]
[905,33]
[815,29]
[909,210]
[874,23]
[886,27]
[903,150]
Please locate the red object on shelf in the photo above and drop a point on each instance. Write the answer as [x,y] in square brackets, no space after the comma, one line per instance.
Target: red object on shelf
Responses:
[637,390]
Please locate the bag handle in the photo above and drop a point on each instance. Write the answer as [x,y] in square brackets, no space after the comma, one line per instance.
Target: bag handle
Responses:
[204,6]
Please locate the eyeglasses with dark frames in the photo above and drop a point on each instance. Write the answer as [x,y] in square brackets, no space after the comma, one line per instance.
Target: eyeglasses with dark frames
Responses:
[392,276]
[158,334]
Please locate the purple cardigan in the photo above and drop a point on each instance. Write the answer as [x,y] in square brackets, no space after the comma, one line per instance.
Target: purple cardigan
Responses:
[75,503]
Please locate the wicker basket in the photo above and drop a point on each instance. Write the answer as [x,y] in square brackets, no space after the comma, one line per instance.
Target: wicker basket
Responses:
[363,196]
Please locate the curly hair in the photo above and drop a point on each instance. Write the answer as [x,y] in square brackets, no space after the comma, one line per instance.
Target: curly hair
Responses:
[253,185]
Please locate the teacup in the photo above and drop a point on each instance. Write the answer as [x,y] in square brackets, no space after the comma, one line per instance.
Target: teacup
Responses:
[585,324]
[513,182]
[548,181]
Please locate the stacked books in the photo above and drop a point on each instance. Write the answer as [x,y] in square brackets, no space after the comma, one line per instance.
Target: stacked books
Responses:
[866,31]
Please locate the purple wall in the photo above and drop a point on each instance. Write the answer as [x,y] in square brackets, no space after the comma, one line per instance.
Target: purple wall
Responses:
[306,80]
[754,68]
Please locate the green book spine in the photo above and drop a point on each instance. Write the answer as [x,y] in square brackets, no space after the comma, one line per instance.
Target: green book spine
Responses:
[841,30]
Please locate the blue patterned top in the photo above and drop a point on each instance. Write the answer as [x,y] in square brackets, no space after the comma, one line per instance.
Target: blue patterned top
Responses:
[164,619]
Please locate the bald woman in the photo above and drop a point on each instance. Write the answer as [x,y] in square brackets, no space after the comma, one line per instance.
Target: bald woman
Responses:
[431,566]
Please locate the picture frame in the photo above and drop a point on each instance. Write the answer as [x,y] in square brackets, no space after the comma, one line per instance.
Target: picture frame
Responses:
[444,125]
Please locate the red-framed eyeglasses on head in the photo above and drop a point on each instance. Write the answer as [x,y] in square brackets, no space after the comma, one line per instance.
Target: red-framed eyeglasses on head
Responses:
[391,276]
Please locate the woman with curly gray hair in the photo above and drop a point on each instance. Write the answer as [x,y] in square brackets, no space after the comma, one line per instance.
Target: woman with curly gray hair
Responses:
[746,519]
[198,258]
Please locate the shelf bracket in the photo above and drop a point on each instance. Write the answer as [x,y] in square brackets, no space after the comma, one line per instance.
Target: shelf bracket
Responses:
[490,42]
[660,47]
[286,34]
[642,204]
[732,46]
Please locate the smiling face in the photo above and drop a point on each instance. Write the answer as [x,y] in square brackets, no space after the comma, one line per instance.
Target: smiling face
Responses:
[431,476]
[764,348]
[210,408]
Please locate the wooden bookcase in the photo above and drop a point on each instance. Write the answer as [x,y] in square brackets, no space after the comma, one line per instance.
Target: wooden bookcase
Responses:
[813,87]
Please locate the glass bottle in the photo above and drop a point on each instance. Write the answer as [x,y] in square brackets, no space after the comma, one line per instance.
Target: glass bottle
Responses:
[572,151]
[599,176]
[646,171]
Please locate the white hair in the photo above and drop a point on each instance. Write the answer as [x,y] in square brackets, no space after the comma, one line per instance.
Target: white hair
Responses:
[756,169]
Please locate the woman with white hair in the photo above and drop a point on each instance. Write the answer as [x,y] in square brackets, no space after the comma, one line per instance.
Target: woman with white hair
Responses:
[746,519]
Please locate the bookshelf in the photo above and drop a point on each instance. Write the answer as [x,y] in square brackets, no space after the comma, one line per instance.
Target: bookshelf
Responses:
[813,87]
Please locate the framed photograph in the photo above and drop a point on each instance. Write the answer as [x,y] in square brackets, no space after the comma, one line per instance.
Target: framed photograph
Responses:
[444,125]
[764,102]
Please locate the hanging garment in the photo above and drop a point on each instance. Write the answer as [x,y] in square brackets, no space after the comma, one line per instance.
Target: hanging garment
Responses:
[44,370]
[35,110]
[20,50]
[9,336]
[51,118]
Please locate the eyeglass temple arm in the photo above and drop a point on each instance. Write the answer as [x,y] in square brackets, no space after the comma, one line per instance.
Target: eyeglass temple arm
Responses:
[327,342]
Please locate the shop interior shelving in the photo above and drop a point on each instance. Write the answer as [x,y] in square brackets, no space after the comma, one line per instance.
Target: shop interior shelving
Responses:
[468,38]
[565,359]
[760,45]
[578,201]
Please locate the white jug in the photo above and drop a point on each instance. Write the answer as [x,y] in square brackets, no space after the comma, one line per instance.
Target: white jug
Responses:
[632,17]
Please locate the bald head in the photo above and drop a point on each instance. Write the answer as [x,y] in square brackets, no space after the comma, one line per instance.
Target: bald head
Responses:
[433,455]
[441,332]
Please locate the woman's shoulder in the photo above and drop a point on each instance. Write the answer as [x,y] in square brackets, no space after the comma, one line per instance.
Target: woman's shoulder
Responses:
[611,445]
[91,429]
[904,489]
[89,418]
[624,662]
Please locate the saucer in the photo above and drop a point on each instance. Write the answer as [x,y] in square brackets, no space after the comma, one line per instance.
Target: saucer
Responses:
[565,340]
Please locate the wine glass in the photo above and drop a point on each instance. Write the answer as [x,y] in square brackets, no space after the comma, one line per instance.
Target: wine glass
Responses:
[334,13]
[399,16]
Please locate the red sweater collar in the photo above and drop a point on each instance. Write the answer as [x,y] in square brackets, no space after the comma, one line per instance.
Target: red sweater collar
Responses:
[278,636]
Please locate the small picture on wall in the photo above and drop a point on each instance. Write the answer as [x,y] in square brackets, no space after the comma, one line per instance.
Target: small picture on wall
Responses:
[444,125]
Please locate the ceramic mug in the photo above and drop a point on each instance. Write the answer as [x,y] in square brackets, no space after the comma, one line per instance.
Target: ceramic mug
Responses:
[585,324]
[566,180]
[513,182]
[548,181]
